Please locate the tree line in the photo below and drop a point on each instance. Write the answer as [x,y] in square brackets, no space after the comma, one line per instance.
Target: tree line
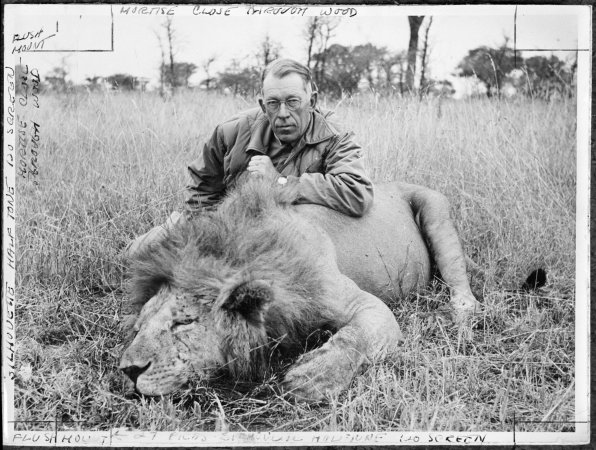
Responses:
[535,76]
[344,69]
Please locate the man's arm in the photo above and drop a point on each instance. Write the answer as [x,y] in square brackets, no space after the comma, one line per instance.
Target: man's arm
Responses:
[207,175]
[344,186]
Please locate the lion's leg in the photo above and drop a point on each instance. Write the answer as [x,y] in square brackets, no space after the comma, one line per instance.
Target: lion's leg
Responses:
[370,331]
[431,210]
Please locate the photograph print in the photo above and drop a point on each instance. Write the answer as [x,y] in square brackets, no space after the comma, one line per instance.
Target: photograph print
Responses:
[257,224]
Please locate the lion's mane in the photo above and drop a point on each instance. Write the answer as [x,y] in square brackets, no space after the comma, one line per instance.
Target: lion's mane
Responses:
[252,235]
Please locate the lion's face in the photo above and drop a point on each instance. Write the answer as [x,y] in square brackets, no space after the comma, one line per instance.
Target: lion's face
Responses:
[179,334]
[175,337]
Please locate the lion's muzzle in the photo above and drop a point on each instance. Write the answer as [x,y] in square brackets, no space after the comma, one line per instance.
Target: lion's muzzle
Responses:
[133,371]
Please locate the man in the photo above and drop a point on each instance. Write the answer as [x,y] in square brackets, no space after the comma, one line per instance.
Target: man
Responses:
[289,140]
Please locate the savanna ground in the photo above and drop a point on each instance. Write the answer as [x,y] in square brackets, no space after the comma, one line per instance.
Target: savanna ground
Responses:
[113,166]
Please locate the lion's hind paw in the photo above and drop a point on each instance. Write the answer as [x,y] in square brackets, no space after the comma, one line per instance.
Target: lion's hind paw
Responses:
[450,316]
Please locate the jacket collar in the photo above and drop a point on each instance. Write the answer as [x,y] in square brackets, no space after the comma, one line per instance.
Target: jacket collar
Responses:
[318,131]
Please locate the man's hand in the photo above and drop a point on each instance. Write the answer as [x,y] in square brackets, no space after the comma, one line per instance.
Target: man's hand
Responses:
[262,165]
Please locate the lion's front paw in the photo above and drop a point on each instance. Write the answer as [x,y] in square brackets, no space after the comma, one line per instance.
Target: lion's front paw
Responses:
[322,373]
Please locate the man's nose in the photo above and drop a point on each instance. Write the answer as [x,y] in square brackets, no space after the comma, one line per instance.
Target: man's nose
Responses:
[283,110]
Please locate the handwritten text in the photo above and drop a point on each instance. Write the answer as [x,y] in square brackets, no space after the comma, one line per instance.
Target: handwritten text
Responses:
[213,11]
[30,40]
[149,10]
[334,11]
[28,131]
[10,90]
[9,328]
[277,10]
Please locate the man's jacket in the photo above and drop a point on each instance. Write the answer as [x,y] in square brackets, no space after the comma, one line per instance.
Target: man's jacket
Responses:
[325,167]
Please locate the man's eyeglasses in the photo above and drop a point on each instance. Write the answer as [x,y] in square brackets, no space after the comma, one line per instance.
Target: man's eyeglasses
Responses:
[273,106]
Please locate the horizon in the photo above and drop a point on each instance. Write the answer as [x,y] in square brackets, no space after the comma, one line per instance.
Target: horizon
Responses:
[454,31]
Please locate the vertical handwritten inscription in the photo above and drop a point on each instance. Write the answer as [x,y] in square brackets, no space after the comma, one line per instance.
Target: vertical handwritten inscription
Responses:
[9,329]
[28,131]
[9,241]
[22,146]
[8,235]
[9,101]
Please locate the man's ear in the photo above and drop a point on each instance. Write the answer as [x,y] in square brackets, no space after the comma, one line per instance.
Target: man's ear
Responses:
[262,105]
[251,299]
[313,99]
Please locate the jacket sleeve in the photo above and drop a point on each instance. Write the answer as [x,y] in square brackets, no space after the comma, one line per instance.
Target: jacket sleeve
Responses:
[207,175]
[344,185]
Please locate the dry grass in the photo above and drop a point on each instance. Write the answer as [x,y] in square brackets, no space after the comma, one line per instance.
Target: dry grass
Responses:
[114,166]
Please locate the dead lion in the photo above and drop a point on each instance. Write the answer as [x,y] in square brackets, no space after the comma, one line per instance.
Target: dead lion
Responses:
[224,287]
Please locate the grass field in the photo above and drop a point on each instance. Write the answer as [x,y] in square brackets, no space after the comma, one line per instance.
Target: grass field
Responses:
[113,166]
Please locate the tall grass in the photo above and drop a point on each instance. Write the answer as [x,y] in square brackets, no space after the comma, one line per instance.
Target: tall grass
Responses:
[113,166]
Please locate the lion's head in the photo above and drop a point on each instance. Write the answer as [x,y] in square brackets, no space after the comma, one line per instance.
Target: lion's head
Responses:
[219,291]
[179,335]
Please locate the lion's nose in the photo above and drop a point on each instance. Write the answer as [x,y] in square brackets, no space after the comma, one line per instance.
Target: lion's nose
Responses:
[133,372]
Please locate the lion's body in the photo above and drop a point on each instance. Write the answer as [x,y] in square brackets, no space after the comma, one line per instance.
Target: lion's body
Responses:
[223,289]
[383,252]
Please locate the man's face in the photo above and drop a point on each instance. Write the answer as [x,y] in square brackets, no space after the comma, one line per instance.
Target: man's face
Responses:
[288,123]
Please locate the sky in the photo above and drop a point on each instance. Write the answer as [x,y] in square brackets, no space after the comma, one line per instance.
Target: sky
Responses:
[454,31]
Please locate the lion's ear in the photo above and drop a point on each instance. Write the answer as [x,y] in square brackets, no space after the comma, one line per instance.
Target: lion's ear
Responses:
[249,298]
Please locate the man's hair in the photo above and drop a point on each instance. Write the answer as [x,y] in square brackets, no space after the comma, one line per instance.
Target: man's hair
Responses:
[284,66]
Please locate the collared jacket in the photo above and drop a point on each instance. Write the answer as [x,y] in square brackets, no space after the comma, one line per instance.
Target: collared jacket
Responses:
[325,166]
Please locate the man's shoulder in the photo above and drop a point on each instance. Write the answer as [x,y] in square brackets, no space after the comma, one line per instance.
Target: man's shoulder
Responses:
[328,120]
[248,116]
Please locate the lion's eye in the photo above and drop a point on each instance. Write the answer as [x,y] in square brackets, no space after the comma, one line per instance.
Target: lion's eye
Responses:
[183,321]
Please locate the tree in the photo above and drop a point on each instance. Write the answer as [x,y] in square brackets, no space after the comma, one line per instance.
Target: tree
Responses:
[179,74]
[163,63]
[206,65]
[94,82]
[318,33]
[268,51]
[311,33]
[172,74]
[442,88]
[122,81]
[169,29]
[424,58]
[415,22]
[341,74]
[244,81]
[386,66]
[366,60]
[546,77]
[489,65]
[57,79]
[346,66]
